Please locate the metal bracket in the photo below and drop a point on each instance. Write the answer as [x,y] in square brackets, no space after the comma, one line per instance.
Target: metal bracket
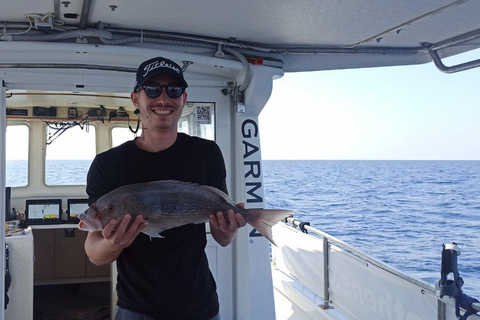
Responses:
[44,24]
[238,97]
[220,53]
[239,101]
[326,306]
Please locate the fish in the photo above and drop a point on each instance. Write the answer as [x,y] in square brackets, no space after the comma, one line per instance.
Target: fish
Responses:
[167,204]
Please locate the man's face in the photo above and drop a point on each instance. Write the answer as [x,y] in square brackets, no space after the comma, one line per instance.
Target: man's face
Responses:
[161,113]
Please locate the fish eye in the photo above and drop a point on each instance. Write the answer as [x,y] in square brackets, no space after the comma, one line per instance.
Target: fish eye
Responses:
[111,207]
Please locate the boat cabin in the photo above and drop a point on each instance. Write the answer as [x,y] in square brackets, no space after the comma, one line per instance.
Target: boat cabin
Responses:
[67,70]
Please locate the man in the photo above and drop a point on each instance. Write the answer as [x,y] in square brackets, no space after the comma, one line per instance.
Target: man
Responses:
[160,278]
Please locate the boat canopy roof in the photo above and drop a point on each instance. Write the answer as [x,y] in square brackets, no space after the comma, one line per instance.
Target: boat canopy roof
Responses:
[304,35]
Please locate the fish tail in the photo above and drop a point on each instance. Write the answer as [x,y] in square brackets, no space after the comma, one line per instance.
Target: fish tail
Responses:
[263,220]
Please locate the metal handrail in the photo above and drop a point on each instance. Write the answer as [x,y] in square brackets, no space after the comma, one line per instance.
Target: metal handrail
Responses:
[456,68]
[434,48]
[339,243]
[329,239]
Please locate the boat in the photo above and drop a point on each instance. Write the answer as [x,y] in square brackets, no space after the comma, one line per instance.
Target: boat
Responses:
[67,69]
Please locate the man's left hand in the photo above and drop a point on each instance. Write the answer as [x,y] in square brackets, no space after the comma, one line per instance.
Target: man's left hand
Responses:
[227,226]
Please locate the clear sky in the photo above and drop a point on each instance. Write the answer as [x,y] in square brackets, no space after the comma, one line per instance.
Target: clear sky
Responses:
[391,113]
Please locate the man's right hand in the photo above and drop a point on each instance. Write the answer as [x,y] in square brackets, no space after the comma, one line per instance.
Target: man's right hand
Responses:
[125,232]
[104,247]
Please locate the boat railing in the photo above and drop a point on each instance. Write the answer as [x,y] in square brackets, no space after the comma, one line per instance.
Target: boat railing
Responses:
[329,240]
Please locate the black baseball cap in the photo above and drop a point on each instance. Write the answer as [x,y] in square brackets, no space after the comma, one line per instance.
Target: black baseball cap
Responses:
[158,66]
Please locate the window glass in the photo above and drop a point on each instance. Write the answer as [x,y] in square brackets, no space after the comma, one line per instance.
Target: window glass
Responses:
[122,134]
[17,155]
[198,119]
[69,155]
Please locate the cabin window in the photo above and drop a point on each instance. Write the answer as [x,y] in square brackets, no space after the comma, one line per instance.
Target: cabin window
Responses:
[198,119]
[17,155]
[123,134]
[69,156]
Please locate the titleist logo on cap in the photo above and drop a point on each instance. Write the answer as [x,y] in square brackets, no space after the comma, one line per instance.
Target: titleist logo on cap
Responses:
[161,64]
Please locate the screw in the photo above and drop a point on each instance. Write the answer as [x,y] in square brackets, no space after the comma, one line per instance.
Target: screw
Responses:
[113,7]
[66,3]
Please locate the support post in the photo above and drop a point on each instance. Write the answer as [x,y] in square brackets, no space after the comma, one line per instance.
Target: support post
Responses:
[326,295]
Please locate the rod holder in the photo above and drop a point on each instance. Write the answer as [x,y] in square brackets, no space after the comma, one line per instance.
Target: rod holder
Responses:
[445,286]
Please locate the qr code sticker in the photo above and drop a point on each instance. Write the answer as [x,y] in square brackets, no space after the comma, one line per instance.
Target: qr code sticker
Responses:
[203,114]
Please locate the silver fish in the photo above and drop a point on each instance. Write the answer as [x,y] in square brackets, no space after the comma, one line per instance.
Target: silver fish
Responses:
[170,204]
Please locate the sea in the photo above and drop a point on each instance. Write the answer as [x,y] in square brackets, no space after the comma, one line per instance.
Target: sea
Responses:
[399,212]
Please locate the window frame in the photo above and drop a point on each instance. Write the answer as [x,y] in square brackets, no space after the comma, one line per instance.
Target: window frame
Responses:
[45,160]
[15,123]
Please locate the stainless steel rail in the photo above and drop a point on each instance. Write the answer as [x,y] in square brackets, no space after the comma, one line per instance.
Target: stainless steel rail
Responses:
[452,42]
[331,240]
[326,294]
[456,68]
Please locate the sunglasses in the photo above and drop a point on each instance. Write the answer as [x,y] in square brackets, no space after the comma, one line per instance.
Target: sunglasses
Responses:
[155,90]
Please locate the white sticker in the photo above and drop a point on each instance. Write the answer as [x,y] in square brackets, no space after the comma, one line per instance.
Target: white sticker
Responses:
[203,114]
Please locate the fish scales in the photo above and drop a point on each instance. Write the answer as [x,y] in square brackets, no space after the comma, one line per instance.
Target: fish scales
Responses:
[170,204]
[177,200]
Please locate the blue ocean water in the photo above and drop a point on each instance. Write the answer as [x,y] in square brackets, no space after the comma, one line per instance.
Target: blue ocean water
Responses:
[16,173]
[399,212]
[67,172]
[58,172]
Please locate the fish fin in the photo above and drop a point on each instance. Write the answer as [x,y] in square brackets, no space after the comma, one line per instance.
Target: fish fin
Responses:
[156,235]
[264,219]
[153,235]
[153,231]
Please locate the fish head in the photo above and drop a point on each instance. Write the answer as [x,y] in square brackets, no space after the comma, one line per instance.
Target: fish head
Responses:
[96,217]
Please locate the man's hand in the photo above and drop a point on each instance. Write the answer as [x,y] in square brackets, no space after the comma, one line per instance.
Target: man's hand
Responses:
[224,230]
[126,231]
[104,247]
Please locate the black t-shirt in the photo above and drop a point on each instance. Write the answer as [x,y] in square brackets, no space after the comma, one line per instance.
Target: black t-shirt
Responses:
[165,278]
